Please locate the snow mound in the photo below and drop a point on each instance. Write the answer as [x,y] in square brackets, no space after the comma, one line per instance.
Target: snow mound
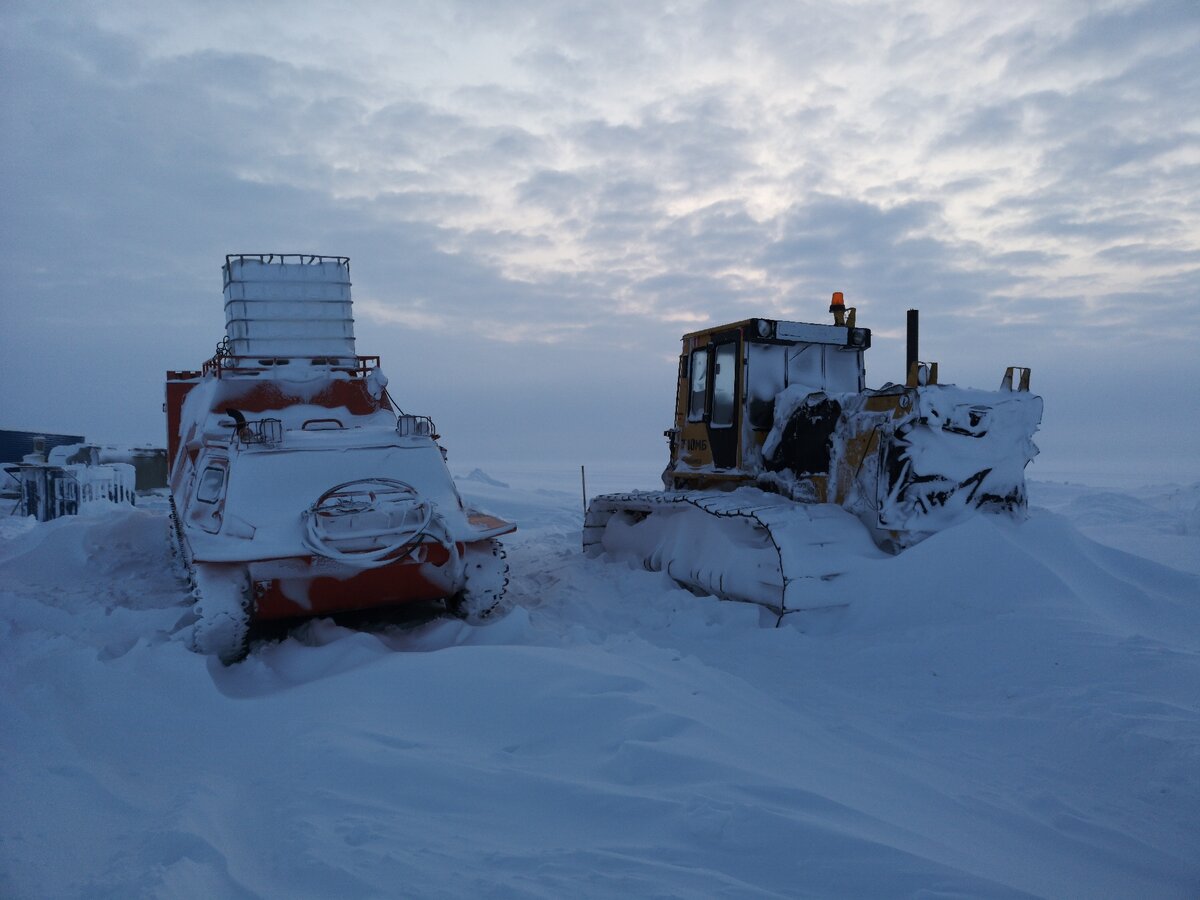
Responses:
[483,478]
[1160,523]
[105,580]
[1003,710]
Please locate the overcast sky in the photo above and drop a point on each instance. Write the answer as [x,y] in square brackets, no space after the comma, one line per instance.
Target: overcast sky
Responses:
[538,199]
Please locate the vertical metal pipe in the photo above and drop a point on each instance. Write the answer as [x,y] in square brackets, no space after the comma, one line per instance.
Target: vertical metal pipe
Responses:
[913,354]
[583,485]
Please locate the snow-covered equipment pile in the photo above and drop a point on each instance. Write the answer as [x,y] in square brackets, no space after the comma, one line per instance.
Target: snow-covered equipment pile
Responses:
[785,469]
[65,485]
[297,486]
[149,463]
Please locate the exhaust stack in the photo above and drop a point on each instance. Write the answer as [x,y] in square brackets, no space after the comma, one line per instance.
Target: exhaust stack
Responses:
[913,329]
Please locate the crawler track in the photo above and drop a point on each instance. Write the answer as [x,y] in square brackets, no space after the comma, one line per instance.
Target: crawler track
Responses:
[746,545]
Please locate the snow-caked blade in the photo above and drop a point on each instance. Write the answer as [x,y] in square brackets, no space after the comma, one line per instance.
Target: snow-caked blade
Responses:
[746,544]
[960,451]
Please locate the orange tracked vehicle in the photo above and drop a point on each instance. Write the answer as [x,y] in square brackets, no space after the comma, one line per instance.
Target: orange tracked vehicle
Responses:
[297,486]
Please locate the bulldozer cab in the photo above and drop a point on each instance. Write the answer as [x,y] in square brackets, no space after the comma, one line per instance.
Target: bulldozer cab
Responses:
[730,378]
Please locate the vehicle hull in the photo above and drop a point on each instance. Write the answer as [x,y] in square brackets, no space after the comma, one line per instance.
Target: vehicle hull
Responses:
[310,586]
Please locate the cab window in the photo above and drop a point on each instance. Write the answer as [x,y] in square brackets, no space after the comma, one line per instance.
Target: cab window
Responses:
[806,366]
[698,385]
[843,370]
[211,482]
[724,385]
[766,376]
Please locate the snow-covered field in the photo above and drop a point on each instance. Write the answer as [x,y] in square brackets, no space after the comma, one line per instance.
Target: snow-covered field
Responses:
[1003,710]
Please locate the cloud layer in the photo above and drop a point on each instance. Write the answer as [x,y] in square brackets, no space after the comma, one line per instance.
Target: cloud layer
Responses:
[538,200]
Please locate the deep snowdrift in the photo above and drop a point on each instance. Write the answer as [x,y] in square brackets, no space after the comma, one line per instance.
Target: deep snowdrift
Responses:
[1001,710]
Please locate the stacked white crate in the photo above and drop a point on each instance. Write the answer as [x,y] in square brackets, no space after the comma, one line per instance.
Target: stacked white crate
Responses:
[289,307]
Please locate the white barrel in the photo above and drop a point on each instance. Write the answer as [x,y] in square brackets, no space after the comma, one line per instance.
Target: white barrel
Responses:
[289,306]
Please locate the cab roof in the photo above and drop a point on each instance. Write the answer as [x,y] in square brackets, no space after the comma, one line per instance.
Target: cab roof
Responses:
[782,330]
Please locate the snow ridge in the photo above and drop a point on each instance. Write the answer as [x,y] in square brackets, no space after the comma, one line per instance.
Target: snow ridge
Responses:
[1004,710]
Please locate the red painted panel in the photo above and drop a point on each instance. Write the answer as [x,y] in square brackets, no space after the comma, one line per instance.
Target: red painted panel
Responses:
[259,396]
[391,585]
[178,386]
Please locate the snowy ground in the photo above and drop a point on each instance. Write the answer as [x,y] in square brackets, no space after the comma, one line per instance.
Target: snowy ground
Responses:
[1001,711]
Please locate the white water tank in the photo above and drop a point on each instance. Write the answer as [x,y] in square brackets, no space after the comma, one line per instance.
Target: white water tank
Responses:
[289,306]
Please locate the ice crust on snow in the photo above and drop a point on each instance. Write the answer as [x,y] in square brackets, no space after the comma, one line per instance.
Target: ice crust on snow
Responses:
[1004,710]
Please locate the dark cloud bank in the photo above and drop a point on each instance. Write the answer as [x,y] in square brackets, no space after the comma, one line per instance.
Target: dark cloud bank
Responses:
[526,253]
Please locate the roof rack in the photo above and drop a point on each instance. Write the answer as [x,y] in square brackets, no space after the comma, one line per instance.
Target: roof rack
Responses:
[305,259]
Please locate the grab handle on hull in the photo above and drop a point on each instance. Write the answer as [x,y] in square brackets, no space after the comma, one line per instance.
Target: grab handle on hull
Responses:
[321,424]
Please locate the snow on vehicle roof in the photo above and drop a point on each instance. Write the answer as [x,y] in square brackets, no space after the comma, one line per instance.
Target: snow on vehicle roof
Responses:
[783,330]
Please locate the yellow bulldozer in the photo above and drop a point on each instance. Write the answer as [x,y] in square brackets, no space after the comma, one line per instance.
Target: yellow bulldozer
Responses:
[786,468]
